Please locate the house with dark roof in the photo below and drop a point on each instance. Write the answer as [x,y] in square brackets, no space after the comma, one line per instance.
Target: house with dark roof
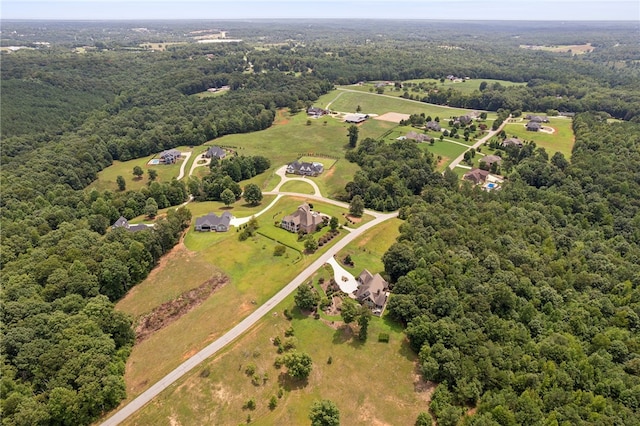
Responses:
[476,176]
[433,125]
[537,118]
[372,291]
[316,112]
[215,152]
[355,118]
[418,137]
[122,222]
[489,160]
[170,156]
[305,168]
[533,126]
[213,222]
[304,219]
[463,119]
[512,142]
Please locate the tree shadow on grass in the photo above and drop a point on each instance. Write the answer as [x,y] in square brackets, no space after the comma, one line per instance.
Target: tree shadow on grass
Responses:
[226,208]
[291,383]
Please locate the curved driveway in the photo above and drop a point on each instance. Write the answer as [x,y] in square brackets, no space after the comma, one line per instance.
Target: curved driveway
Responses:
[261,311]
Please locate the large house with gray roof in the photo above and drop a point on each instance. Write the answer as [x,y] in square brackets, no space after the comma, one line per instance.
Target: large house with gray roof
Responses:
[372,291]
[122,222]
[170,156]
[304,219]
[215,152]
[305,168]
[213,222]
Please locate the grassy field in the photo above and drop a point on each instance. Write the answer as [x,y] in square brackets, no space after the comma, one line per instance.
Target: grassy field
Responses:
[465,87]
[215,392]
[298,186]
[107,177]
[561,140]
[256,275]
[371,103]
[576,49]
[447,152]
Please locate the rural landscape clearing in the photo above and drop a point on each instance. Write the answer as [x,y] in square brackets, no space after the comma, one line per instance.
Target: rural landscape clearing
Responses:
[325,222]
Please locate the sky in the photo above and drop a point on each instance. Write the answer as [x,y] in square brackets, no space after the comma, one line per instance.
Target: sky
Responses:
[536,10]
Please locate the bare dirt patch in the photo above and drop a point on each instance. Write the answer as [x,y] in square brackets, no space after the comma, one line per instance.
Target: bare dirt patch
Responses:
[424,388]
[353,218]
[443,160]
[394,117]
[280,118]
[169,312]
[548,129]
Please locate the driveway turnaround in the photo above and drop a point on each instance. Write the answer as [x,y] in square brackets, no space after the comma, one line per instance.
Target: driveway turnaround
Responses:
[342,277]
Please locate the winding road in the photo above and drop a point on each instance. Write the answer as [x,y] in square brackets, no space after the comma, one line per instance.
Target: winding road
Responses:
[144,398]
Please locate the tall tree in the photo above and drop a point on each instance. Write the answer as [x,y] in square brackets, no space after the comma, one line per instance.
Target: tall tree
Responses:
[138,172]
[122,184]
[227,197]
[252,194]
[151,207]
[356,207]
[353,135]
[324,413]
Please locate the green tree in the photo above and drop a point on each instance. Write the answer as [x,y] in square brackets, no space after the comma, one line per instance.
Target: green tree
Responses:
[424,419]
[151,207]
[353,135]
[363,321]
[349,310]
[298,364]
[153,174]
[252,194]
[333,223]
[138,172]
[356,207]
[310,243]
[324,413]
[227,197]
[122,184]
[306,297]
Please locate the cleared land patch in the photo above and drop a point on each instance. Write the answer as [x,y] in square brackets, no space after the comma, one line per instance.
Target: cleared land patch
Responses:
[576,49]
[393,117]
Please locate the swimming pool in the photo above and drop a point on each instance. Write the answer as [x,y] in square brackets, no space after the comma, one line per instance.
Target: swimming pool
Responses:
[491,185]
[154,161]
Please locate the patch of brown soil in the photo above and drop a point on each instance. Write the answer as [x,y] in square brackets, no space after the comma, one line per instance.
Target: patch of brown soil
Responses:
[354,219]
[280,118]
[330,172]
[169,312]
[394,117]
[424,388]
[442,161]
[189,354]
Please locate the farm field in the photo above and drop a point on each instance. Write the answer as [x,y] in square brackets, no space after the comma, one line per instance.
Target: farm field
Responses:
[465,86]
[561,140]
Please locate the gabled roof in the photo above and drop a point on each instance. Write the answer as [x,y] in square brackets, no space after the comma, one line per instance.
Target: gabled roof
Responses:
[490,159]
[213,221]
[355,118]
[372,287]
[216,151]
[476,175]
[512,142]
[122,222]
[433,125]
[533,125]
[306,167]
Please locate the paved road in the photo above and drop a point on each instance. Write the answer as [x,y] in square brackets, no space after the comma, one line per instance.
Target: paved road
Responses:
[246,323]
[489,135]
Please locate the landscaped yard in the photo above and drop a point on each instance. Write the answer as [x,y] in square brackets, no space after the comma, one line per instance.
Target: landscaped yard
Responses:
[297,186]
[561,140]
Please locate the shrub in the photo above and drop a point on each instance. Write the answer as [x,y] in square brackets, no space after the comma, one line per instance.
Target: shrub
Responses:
[279,250]
[250,404]
[273,403]
[383,337]
[289,332]
[250,370]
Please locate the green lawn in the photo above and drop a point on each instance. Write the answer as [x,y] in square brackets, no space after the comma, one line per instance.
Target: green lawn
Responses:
[298,186]
[561,140]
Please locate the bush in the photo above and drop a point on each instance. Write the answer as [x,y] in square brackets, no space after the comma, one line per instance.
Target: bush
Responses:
[383,337]
[250,404]
[205,373]
[289,332]
[250,370]
[279,250]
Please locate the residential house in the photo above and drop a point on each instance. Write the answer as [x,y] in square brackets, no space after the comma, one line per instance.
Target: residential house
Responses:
[537,118]
[477,176]
[533,126]
[463,119]
[355,118]
[316,112]
[418,137]
[372,291]
[304,219]
[567,114]
[213,222]
[305,168]
[170,156]
[512,142]
[122,222]
[490,159]
[433,125]
[215,152]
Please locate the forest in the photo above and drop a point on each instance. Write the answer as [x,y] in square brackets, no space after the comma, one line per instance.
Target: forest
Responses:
[524,303]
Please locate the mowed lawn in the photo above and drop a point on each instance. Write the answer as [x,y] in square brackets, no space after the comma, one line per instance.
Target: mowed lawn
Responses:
[561,140]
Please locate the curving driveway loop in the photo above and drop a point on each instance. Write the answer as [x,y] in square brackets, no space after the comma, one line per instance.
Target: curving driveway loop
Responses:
[342,277]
